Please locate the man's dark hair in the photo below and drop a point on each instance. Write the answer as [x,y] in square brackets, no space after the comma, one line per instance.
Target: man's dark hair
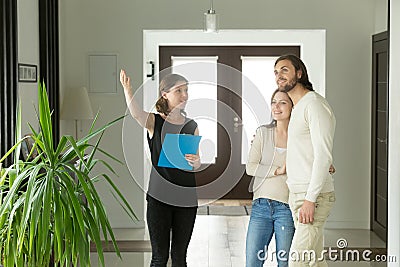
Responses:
[299,66]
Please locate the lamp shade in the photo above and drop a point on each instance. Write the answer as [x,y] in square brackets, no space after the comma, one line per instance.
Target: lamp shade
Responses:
[76,105]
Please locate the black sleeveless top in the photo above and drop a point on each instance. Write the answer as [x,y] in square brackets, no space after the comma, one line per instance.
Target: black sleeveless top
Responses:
[170,185]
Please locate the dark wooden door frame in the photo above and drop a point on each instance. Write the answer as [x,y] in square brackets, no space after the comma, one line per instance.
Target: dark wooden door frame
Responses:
[379,135]
[8,75]
[49,67]
[49,58]
[227,55]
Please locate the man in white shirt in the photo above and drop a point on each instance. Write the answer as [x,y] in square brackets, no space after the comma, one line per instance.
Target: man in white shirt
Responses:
[309,156]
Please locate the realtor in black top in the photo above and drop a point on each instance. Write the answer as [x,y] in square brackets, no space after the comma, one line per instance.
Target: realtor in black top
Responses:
[171,197]
[171,185]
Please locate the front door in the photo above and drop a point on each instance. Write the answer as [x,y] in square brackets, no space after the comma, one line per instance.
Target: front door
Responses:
[379,135]
[229,97]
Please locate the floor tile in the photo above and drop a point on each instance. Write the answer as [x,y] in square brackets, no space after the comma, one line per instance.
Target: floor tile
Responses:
[219,241]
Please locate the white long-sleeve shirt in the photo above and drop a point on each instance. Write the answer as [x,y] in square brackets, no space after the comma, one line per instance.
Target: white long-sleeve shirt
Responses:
[264,158]
[310,140]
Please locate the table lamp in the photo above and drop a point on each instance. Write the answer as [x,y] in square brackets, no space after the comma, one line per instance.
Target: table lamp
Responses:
[76,106]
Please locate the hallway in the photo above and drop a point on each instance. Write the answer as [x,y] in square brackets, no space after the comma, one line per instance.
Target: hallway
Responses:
[219,241]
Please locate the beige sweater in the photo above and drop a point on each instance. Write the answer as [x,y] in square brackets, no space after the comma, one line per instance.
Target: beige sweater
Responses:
[262,162]
[310,140]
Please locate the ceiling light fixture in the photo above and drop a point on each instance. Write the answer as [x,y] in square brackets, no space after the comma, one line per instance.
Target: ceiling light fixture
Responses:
[211,20]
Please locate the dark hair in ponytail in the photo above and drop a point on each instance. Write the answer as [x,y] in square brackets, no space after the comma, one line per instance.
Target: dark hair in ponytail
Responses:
[162,106]
[169,81]
[298,66]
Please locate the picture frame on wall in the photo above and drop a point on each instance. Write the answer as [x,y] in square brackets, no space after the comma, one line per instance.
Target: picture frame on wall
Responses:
[27,73]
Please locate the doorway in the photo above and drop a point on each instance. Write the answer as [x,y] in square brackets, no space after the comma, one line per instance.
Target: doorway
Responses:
[236,91]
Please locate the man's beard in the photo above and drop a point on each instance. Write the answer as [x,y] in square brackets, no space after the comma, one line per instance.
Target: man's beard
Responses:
[289,86]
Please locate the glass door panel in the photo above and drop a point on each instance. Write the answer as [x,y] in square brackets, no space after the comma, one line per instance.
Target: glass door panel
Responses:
[201,73]
[258,72]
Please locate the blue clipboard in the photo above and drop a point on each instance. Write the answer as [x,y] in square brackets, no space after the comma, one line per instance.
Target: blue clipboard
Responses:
[174,148]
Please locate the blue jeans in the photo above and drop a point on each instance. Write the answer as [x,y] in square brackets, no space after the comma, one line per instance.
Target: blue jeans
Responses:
[269,217]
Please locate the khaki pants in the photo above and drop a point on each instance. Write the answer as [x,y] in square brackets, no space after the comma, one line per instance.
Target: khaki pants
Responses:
[308,239]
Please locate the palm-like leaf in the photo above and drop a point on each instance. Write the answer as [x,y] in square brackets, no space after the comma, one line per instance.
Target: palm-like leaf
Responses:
[50,210]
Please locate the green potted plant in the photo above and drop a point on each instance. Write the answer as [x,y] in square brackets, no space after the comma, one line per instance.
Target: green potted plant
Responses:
[50,210]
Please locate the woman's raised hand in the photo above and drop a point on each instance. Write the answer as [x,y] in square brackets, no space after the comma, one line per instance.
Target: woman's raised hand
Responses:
[125,80]
[144,118]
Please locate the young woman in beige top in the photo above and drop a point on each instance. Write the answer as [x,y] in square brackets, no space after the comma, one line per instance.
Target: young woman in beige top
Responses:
[270,210]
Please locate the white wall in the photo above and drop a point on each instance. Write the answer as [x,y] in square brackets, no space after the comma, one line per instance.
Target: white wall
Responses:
[28,53]
[394,130]
[381,15]
[117,26]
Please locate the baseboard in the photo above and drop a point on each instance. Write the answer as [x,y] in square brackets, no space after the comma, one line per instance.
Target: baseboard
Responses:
[124,246]
[130,224]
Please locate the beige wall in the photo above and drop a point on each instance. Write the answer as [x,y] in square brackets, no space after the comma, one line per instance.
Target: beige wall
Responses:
[94,26]
[381,12]
[28,53]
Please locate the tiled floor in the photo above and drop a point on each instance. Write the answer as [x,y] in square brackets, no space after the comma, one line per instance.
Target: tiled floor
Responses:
[219,241]
[224,236]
